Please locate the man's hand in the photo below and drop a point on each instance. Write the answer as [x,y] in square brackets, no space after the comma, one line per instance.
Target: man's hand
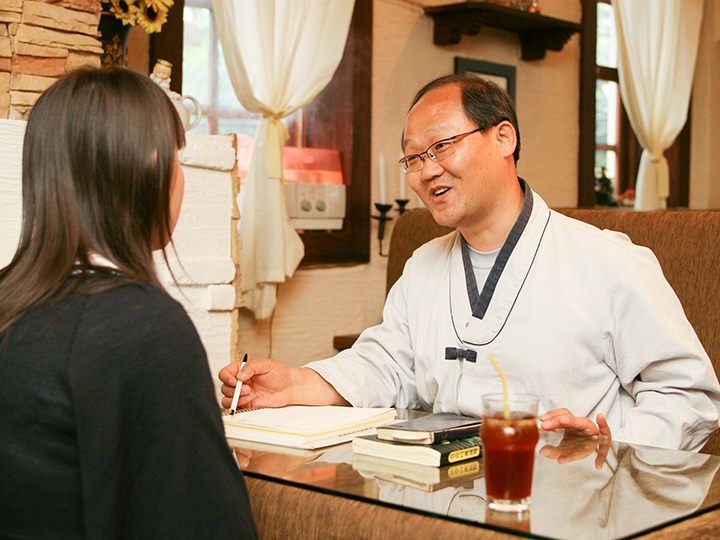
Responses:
[582,437]
[269,383]
[562,418]
[575,448]
[266,383]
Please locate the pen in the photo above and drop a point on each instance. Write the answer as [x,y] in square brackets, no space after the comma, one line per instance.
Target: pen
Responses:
[238,386]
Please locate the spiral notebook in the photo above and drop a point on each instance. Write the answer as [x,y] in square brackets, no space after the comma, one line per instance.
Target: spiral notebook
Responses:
[301,426]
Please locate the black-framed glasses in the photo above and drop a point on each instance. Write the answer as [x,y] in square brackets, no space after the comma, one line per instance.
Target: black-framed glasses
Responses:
[437,151]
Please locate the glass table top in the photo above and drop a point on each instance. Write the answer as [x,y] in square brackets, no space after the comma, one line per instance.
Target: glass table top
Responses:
[575,493]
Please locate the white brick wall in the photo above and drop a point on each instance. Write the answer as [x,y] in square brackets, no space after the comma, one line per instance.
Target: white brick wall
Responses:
[11,137]
[202,241]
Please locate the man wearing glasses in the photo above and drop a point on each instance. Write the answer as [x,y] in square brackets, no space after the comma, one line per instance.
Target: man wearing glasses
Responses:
[581,317]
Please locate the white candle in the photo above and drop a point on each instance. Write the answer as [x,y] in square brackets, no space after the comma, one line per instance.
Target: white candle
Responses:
[403,182]
[381,178]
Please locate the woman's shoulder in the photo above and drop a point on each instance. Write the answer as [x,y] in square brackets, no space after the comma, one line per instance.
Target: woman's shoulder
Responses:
[138,310]
[138,296]
[136,326]
[144,301]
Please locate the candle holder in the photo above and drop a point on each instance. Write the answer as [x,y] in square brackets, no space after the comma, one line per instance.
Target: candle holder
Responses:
[383,209]
[402,203]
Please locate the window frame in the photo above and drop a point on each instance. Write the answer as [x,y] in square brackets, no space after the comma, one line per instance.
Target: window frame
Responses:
[620,181]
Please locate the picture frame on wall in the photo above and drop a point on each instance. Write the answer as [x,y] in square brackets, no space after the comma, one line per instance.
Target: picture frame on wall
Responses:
[501,74]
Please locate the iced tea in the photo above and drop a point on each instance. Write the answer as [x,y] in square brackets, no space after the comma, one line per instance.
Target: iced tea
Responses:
[509,455]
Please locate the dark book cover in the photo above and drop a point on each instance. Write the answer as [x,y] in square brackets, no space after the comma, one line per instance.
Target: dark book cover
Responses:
[431,429]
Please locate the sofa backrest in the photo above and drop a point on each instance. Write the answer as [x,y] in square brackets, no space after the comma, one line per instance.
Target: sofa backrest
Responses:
[687,244]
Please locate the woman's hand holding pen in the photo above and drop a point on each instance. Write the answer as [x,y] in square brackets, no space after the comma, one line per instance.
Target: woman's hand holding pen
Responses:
[266,383]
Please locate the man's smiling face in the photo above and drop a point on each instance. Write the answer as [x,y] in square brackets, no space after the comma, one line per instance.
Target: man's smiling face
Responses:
[461,190]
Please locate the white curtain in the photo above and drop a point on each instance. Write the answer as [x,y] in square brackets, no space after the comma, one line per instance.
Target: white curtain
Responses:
[657,49]
[280,54]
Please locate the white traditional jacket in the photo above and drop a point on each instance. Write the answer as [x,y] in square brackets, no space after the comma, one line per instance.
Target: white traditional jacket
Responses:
[580,316]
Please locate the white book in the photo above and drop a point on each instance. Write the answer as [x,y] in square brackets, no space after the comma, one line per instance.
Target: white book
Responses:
[301,426]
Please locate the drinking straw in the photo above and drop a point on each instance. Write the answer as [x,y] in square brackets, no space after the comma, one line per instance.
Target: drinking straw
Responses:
[506,404]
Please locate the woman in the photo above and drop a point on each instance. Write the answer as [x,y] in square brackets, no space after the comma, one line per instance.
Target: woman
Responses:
[91,444]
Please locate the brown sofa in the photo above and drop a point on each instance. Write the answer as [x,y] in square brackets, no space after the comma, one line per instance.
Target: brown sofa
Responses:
[687,244]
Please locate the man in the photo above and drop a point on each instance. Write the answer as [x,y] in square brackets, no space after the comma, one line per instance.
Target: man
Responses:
[581,317]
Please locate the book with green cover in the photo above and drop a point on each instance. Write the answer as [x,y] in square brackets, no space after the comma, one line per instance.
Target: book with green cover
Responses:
[423,454]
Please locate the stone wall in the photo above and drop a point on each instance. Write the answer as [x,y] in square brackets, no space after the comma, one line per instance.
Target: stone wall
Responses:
[40,41]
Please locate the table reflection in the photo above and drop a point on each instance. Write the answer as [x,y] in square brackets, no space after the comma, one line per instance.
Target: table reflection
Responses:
[606,492]
[580,488]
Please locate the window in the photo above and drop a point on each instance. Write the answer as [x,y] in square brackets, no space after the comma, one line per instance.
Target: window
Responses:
[607,99]
[339,117]
[205,77]
[607,143]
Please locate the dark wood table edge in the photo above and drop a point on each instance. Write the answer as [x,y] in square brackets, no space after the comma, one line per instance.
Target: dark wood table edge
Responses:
[683,521]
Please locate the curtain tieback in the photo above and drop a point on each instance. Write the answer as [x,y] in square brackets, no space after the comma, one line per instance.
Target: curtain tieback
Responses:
[277,134]
[662,173]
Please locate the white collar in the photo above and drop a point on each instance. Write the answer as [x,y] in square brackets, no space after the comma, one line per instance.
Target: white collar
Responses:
[95,259]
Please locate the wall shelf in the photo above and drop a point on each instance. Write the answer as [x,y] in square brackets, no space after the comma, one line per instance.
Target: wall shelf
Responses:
[537,32]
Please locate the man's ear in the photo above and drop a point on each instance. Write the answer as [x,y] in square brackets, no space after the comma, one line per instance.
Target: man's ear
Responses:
[506,138]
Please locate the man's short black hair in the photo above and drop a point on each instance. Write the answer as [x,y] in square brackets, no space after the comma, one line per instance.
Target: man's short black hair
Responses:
[484,102]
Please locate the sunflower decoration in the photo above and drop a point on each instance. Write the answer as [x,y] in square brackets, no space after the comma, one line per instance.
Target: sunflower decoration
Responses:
[125,10]
[153,15]
[149,14]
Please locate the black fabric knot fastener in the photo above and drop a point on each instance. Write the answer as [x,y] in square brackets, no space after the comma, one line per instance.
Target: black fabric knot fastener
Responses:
[451,353]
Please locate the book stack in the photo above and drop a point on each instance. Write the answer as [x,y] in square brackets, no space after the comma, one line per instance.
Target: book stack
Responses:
[426,453]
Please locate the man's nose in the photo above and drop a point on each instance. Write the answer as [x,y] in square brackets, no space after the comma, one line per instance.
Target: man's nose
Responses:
[430,169]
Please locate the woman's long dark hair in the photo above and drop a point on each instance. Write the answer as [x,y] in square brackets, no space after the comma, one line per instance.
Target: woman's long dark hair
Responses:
[98,160]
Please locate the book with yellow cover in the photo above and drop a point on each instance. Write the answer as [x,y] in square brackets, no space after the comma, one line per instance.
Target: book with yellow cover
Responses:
[423,454]
[300,426]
